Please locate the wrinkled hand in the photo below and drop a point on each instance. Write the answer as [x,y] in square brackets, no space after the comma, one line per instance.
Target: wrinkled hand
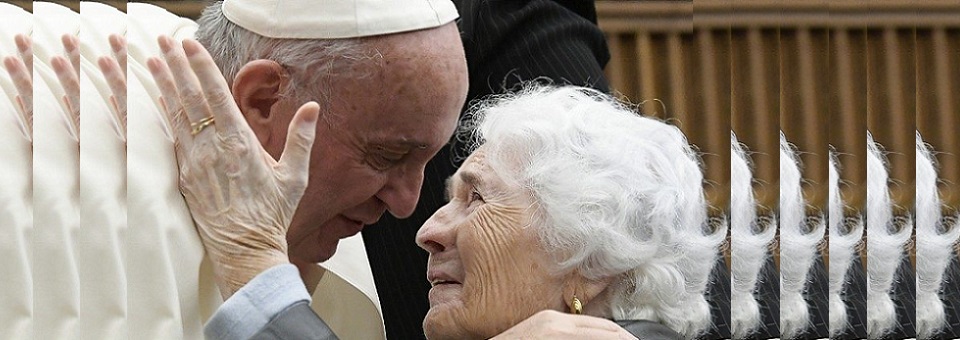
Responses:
[551,324]
[68,72]
[241,199]
[114,70]
[20,69]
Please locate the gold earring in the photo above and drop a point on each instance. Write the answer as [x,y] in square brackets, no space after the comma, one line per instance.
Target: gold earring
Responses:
[575,305]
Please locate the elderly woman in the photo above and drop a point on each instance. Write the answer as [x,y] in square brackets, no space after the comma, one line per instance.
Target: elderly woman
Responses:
[570,202]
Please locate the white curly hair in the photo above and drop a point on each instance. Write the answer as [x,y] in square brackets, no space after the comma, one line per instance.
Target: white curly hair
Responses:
[845,234]
[800,235]
[886,238]
[750,236]
[619,195]
[936,237]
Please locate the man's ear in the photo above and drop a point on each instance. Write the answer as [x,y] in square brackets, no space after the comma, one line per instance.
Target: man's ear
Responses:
[257,89]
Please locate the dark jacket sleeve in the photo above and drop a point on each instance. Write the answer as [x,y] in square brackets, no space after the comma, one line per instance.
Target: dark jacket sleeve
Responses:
[817,297]
[296,322]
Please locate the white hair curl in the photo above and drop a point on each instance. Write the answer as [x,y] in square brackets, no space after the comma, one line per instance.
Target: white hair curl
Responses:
[845,235]
[936,237]
[313,64]
[619,195]
[800,235]
[886,238]
[750,237]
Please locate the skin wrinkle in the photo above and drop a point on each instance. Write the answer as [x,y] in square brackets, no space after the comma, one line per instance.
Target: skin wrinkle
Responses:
[410,89]
[494,241]
[588,207]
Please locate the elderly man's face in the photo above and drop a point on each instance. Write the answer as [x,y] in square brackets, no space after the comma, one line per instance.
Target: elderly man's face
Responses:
[375,140]
[487,268]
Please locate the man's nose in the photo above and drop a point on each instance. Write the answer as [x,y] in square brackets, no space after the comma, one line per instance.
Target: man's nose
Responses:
[402,193]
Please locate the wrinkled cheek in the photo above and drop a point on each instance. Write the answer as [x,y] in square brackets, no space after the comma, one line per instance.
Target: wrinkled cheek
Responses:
[446,323]
[490,250]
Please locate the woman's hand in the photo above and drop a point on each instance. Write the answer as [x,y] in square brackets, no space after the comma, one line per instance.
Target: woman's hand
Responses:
[240,197]
[551,324]
[21,73]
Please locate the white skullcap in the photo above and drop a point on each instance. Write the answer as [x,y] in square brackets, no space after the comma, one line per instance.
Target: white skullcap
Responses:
[334,19]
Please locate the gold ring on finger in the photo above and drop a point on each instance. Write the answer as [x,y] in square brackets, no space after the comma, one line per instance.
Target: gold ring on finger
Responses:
[203,123]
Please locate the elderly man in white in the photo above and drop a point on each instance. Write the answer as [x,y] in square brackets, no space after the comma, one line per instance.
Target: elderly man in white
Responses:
[383,82]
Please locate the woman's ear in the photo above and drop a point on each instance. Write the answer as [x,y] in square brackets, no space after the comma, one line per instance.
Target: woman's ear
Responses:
[585,290]
[257,88]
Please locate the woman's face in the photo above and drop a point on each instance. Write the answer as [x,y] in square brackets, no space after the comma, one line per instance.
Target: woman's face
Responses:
[487,268]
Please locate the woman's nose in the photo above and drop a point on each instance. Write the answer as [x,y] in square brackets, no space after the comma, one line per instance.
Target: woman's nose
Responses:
[437,234]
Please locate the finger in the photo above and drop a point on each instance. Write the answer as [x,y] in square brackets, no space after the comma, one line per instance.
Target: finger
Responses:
[586,321]
[215,88]
[71,87]
[170,101]
[118,85]
[20,75]
[188,86]
[72,49]
[119,46]
[25,48]
[295,159]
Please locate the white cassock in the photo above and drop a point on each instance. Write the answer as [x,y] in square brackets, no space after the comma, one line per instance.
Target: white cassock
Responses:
[56,184]
[103,212]
[16,208]
[171,292]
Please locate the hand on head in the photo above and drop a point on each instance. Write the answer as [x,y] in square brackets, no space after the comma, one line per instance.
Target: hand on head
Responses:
[241,199]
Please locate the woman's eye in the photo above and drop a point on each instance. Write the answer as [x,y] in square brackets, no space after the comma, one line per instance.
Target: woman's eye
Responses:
[475,197]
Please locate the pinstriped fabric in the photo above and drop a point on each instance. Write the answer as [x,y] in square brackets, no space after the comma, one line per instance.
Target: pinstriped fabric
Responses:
[505,42]
[768,297]
[817,299]
[855,296]
[904,300]
[817,302]
[951,300]
[718,295]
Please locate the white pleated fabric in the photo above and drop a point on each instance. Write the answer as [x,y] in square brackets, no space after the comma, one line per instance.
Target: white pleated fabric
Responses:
[56,184]
[171,292]
[16,209]
[103,211]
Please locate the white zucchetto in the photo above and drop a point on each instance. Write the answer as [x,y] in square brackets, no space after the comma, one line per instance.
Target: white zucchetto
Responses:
[336,19]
